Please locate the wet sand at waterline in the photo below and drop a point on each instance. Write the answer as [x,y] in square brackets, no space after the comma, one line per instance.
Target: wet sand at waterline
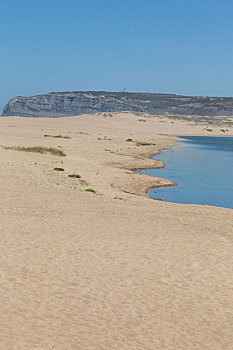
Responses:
[112,269]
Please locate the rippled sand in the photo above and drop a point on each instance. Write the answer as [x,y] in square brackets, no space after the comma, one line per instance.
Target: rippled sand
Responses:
[112,269]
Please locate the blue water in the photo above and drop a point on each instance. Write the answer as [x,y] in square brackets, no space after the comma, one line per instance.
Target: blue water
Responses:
[202,166]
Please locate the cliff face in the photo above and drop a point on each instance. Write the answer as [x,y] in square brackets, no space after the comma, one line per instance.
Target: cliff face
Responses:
[65,104]
[62,104]
[213,109]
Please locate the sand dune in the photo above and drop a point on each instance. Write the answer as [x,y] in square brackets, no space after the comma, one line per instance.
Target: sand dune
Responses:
[112,269]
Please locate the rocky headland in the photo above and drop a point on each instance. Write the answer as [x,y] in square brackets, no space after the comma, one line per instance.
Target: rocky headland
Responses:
[62,104]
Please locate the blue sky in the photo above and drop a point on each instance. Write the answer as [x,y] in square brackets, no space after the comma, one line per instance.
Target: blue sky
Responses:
[176,46]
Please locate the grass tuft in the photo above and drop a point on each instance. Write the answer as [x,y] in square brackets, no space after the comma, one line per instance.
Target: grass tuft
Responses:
[37,149]
[75,176]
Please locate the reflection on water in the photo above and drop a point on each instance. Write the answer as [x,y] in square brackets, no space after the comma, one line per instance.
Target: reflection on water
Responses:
[202,166]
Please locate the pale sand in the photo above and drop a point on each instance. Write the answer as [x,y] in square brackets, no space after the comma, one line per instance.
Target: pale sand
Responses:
[93,271]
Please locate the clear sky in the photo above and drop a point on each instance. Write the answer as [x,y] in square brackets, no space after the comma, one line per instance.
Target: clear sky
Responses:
[176,46]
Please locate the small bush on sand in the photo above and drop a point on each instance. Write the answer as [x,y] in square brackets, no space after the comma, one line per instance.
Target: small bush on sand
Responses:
[76,176]
[58,169]
[90,190]
[129,140]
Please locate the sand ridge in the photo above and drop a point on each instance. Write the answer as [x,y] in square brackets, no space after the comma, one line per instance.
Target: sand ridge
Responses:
[112,269]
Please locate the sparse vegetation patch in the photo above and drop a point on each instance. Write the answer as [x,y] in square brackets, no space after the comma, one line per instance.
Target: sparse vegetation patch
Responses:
[145,144]
[58,136]
[120,198]
[104,138]
[37,149]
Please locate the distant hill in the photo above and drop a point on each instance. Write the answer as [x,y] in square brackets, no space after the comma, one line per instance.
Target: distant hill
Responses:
[62,104]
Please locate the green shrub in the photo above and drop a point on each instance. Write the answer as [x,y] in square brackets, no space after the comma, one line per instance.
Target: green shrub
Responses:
[58,169]
[90,190]
[75,176]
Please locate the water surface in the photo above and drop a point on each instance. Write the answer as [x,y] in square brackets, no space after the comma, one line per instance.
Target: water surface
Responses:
[202,166]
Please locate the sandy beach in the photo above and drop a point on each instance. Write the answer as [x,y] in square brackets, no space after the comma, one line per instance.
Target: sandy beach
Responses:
[108,268]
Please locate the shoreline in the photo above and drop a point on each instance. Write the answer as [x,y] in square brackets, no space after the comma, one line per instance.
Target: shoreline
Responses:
[147,162]
[224,204]
[151,155]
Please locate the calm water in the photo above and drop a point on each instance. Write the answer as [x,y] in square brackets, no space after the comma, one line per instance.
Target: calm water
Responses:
[202,167]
